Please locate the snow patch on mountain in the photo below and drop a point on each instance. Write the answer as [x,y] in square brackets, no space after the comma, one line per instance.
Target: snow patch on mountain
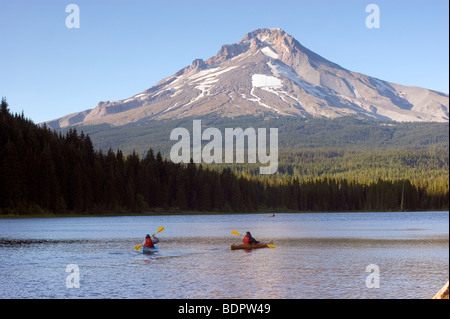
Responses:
[258,100]
[262,80]
[279,69]
[267,51]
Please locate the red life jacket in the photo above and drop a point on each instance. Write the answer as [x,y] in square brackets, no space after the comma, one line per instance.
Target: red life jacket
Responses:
[148,242]
[246,239]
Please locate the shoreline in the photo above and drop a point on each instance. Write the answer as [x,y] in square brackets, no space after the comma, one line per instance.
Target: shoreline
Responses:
[186,213]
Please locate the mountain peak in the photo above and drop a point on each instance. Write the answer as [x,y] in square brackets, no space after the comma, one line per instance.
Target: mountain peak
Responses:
[270,37]
[264,33]
[287,47]
[269,72]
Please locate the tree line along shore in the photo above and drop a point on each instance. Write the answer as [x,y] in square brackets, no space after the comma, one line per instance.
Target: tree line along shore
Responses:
[45,172]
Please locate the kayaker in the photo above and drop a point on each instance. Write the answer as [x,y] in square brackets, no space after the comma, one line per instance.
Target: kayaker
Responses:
[248,239]
[150,241]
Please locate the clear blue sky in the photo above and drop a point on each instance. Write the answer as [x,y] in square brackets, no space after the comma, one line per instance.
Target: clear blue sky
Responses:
[124,47]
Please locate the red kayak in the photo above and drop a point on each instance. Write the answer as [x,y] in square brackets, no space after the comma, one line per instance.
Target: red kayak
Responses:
[250,246]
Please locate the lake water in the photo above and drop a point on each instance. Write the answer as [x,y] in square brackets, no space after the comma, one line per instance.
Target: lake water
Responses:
[317,255]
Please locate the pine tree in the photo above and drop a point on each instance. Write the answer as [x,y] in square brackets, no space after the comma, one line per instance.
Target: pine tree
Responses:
[4,107]
[11,174]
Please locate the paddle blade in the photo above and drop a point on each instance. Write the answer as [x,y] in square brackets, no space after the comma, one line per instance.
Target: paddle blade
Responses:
[236,233]
[271,246]
[159,230]
[138,247]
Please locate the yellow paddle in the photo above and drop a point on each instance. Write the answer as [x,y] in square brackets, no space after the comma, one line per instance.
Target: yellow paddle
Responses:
[236,233]
[159,230]
[239,234]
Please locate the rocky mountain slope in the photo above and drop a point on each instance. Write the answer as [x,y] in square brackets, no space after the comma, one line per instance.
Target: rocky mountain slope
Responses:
[268,72]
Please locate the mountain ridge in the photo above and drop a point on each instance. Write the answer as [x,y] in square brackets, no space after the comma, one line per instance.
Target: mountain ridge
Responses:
[268,71]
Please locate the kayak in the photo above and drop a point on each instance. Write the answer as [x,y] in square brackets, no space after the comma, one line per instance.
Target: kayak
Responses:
[147,250]
[250,246]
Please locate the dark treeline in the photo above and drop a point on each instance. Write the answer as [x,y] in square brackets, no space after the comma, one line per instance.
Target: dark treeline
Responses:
[44,171]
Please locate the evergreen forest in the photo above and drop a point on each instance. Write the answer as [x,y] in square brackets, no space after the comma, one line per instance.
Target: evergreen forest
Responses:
[43,171]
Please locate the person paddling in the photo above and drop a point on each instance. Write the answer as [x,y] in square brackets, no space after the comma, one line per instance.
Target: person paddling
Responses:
[248,239]
[150,241]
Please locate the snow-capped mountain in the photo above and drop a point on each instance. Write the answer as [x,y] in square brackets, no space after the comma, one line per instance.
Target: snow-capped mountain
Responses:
[268,71]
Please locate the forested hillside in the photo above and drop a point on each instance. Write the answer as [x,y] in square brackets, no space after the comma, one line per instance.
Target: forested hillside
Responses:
[294,133]
[45,171]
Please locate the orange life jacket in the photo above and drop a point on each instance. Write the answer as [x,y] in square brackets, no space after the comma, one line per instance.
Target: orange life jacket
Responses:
[148,242]
[246,239]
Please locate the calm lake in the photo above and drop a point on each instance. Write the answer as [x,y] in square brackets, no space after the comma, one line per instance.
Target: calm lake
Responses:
[317,255]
